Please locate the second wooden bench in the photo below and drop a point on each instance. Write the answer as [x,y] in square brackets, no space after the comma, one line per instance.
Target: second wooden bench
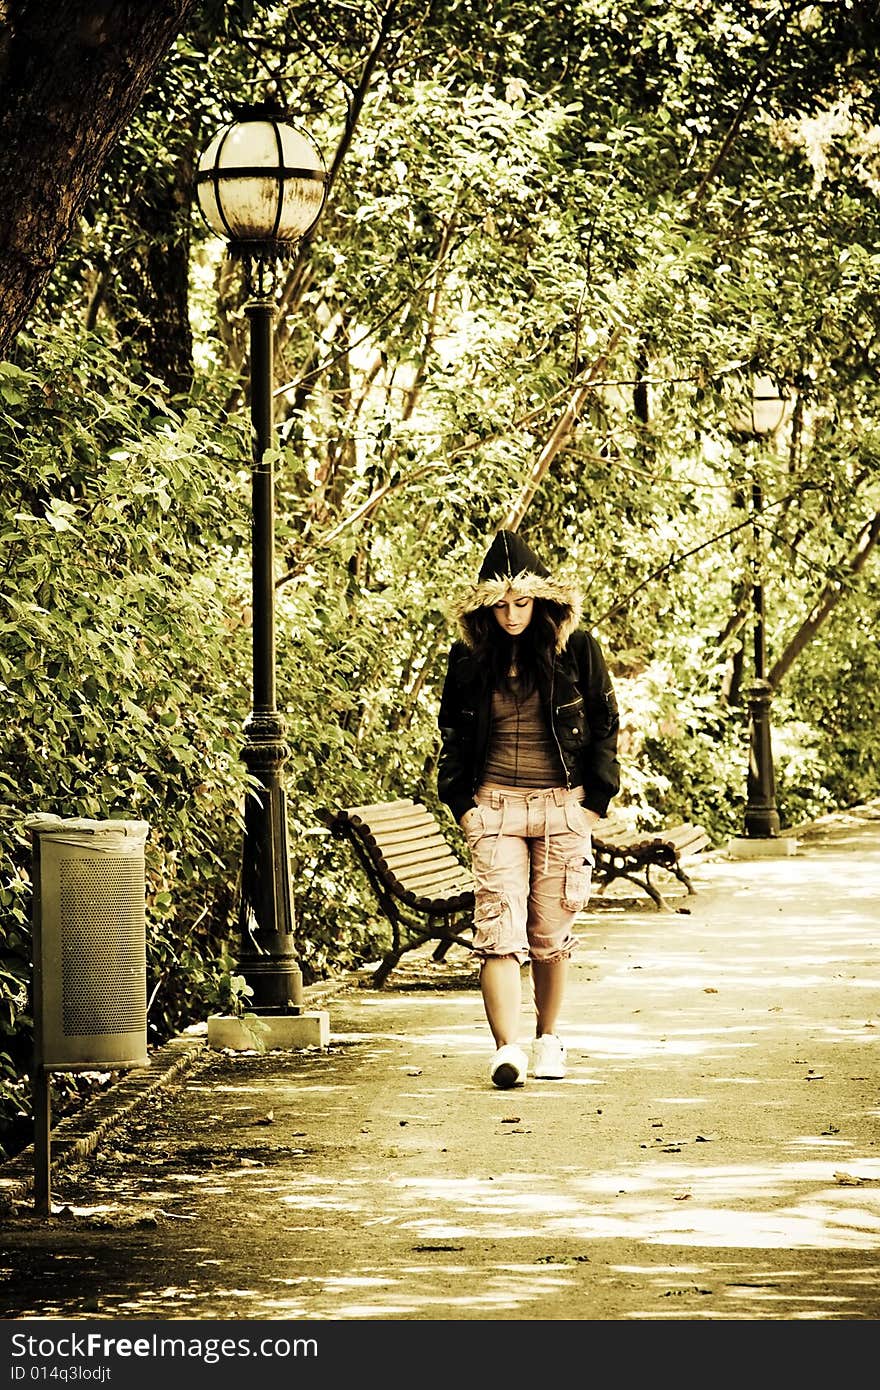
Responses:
[622,852]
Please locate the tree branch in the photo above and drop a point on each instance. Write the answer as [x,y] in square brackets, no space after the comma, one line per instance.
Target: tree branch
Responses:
[366,509]
[749,96]
[429,334]
[559,434]
[355,107]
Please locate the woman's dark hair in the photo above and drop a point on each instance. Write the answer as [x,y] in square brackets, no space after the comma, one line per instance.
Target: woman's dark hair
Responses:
[494,649]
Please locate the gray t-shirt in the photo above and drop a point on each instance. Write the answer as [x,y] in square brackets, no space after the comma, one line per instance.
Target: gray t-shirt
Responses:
[522,750]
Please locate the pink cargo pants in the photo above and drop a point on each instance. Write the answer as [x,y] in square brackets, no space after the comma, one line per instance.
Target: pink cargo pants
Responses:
[532,860]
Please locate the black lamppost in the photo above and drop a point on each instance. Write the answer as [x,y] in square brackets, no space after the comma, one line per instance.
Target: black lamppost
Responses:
[761,818]
[767,412]
[261,185]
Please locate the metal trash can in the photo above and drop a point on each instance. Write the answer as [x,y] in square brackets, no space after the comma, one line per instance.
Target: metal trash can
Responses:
[90,973]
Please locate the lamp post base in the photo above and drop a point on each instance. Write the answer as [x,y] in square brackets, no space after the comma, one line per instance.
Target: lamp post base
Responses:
[267,959]
[761,817]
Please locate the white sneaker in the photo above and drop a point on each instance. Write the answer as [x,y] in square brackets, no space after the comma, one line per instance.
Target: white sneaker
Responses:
[509,1067]
[548,1058]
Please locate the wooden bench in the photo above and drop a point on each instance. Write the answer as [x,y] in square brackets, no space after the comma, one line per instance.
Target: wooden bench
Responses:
[423,888]
[426,892]
[631,854]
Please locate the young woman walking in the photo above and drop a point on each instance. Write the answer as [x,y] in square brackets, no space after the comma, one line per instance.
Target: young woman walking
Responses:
[528,764]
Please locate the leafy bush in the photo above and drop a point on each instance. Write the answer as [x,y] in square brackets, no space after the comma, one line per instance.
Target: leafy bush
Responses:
[123,648]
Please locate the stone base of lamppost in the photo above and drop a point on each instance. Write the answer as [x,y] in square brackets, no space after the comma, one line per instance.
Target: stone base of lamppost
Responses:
[269,1032]
[770,847]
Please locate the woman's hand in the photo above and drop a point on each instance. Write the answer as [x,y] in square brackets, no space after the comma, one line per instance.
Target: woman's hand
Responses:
[472,813]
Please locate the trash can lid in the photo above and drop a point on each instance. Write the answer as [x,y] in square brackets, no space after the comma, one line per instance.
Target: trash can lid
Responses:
[46,824]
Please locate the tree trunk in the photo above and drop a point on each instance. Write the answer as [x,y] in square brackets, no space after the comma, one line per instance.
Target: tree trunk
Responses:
[73,73]
[148,297]
[828,601]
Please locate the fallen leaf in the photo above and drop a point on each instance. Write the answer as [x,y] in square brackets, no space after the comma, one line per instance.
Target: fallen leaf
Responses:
[710,989]
[267,1119]
[848,1180]
[510,1119]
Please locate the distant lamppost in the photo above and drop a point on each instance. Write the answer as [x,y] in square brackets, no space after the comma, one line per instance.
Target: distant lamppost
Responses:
[765,415]
[261,185]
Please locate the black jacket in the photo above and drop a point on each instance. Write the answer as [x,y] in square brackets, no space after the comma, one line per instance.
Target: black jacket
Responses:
[578,700]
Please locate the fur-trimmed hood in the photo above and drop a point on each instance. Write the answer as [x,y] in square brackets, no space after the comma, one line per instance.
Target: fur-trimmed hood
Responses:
[511,564]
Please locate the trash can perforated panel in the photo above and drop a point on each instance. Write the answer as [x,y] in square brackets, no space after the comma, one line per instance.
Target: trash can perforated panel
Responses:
[103,979]
[90,978]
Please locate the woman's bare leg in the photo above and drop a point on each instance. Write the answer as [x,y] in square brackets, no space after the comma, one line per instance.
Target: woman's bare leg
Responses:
[548,983]
[501,987]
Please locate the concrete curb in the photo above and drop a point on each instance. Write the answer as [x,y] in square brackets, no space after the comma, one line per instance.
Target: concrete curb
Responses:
[79,1135]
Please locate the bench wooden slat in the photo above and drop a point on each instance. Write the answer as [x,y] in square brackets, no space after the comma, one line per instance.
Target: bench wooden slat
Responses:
[410,851]
[422,853]
[413,836]
[387,829]
[376,810]
[431,888]
[688,839]
[417,869]
[428,873]
[390,825]
[424,869]
[453,900]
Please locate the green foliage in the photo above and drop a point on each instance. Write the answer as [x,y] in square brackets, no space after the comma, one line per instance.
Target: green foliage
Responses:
[122,646]
[681,759]
[230,992]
